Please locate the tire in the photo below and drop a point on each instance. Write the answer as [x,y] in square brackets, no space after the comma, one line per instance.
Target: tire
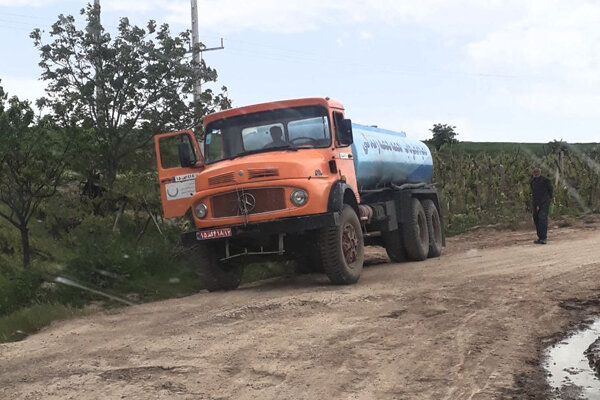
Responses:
[394,247]
[342,249]
[434,227]
[213,274]
[415,234]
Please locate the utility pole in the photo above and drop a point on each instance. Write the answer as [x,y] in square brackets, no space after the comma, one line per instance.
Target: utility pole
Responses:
[197,52]
[97,65]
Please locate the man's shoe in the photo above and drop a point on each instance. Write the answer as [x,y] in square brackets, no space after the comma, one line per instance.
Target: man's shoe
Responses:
[537,241]
[542,241]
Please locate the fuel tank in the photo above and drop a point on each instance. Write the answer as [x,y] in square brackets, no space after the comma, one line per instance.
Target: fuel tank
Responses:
[383,157]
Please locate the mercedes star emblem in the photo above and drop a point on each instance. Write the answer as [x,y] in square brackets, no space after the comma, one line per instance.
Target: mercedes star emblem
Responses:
[246,203]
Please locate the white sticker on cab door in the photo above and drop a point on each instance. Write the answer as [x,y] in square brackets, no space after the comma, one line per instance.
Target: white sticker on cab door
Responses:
[180,190]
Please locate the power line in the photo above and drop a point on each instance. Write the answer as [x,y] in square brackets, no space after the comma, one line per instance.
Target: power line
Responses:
[265,51]
[381,67]
[12,27]
[26,16]
[17,22]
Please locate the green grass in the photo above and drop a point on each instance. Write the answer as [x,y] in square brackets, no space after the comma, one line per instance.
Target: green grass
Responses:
[28,320]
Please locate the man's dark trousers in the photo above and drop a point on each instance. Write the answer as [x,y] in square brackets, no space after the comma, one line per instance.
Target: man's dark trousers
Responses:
[540,218]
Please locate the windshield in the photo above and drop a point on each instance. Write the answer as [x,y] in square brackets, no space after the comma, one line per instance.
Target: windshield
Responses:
[289,128]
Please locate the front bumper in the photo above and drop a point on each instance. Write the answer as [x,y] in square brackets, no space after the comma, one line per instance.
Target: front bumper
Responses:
[291,225]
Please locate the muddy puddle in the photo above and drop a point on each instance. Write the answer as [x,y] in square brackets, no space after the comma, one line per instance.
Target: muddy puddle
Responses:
[569,372]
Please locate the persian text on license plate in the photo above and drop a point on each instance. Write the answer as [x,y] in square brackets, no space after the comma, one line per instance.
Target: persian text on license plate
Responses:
[213,233]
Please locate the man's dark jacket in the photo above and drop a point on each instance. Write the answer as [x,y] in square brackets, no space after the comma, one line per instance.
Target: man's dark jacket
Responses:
[541,190]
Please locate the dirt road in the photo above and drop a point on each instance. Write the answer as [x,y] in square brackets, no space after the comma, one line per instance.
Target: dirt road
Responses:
[466,326]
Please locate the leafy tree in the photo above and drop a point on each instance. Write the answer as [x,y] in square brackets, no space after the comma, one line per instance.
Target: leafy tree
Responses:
[32,164]
[122,90]
[556,147]
[443,134]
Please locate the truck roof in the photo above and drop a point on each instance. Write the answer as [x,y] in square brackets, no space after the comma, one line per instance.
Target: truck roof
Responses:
[324,101]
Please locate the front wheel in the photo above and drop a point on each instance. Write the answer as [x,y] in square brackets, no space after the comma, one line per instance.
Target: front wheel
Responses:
[215,275]
[342,249]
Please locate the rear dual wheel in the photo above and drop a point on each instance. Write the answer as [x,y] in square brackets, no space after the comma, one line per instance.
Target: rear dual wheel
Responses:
[422,232]
[415,233]
[434,228]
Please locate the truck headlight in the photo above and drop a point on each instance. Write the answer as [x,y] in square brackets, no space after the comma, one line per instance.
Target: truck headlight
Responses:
[299,197]
[201,210]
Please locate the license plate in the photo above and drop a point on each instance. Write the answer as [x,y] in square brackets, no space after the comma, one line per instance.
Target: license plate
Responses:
[213,233]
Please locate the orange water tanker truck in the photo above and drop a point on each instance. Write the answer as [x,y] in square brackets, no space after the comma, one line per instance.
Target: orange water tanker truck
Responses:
[297,179]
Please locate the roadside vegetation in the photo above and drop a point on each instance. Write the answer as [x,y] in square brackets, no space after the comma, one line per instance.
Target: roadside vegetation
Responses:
[488,183]
[80,216]
[492,187]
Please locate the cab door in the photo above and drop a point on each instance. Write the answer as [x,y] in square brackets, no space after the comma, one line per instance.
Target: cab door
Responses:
[343,150]
[179,162]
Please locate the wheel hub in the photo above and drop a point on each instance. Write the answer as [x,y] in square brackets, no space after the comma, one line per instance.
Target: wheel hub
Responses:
[349,243]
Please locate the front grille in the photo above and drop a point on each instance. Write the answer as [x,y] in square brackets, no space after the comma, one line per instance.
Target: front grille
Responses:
[220,179]
[263,199]
[262,173]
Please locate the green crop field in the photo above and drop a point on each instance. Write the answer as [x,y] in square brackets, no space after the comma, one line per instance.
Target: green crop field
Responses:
[494,148]
[488,183]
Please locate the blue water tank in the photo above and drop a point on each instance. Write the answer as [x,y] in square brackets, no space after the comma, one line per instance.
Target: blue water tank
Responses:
[382,157]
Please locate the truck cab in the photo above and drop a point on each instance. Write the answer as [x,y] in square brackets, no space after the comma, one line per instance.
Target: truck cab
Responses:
[276,179]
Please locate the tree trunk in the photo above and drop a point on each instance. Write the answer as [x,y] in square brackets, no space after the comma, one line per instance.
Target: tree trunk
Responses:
[120,212]
[25,246]
[109,180]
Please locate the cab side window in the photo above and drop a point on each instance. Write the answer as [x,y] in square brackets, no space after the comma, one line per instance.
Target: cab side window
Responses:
[338,117]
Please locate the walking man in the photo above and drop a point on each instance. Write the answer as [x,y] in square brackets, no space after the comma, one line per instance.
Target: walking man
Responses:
[541,196]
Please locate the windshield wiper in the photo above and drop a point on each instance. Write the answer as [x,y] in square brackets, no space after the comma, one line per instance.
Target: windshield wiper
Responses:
[268,149]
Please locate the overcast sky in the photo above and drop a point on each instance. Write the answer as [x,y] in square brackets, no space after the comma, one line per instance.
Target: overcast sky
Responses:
[499,70]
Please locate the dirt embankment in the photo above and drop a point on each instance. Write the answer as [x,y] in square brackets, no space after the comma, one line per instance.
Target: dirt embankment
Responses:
[469,325]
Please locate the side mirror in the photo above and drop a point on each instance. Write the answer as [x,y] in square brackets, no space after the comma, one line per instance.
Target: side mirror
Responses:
[345,133]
